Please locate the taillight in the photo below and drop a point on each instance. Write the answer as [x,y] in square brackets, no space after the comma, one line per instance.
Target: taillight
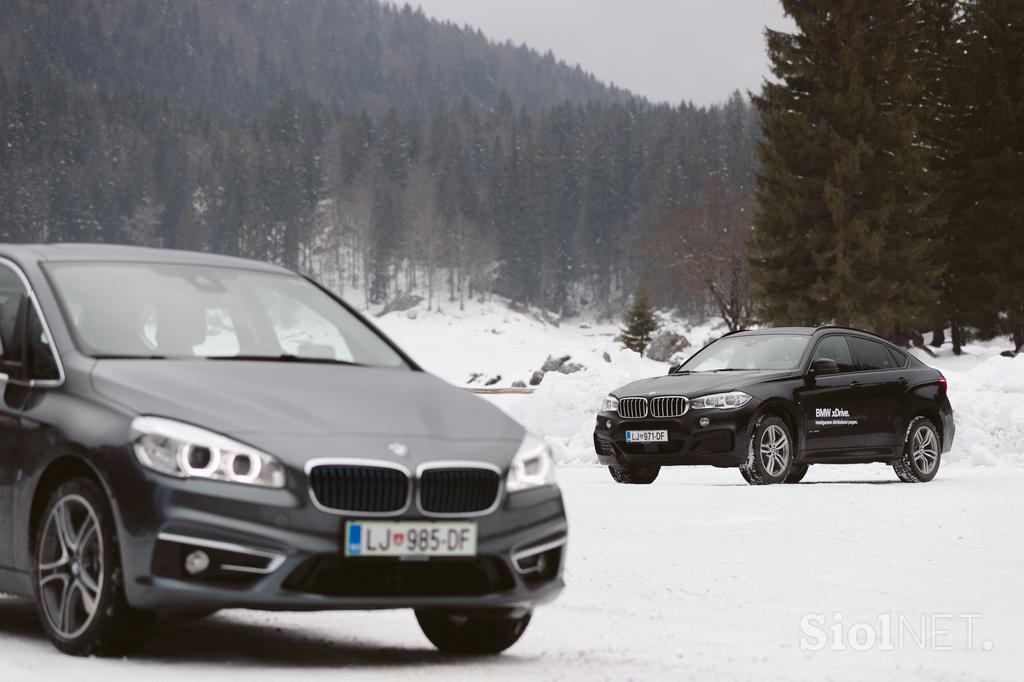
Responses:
[943,383]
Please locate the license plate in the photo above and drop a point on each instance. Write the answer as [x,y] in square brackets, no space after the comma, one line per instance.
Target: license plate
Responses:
[646,436]
[410,538]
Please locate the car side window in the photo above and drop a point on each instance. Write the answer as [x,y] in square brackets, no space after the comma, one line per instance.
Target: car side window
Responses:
[870,354]
[898,357]
[41,359]
[835,348]
[13,307]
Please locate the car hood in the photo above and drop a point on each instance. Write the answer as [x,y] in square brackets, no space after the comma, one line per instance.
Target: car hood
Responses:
[273,402]
[695,385]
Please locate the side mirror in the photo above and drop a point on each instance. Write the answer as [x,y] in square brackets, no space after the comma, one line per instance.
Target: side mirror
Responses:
[674,368]
[823,366]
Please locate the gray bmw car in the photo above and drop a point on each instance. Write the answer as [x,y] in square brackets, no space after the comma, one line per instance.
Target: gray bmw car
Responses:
[182,433]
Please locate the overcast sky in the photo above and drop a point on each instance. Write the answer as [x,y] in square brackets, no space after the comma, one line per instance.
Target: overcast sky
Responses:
[666,50]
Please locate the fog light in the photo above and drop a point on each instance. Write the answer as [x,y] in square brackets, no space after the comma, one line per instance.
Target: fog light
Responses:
[196,562]
[608,423]
[704,421]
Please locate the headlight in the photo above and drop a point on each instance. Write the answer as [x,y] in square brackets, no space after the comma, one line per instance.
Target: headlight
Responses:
[532,466]
[610,404]
[721,401]
[186,451]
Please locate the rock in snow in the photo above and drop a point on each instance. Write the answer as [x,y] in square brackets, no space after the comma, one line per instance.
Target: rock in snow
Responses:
[665,344]
[404,301]
[570,367]
[553,364]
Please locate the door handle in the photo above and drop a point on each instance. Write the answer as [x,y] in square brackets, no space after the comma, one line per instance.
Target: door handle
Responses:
[856,384]
[903,381]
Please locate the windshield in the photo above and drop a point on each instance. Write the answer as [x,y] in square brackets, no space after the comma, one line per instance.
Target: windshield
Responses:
[138,310]
[754,352]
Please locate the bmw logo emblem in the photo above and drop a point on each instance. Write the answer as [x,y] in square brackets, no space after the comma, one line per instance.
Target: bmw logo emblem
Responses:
[398,449]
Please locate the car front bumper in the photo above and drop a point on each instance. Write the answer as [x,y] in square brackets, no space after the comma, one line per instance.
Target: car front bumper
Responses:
[274,550]
[724,442]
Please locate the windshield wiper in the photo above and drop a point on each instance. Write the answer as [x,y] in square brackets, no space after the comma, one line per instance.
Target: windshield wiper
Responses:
[284,357]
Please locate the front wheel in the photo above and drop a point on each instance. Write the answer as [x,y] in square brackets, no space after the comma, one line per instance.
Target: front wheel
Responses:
[78,578]
[770,454]
[475,633]
[919,461]
[632,474]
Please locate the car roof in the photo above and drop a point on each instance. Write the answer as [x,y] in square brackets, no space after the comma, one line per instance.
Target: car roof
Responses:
[74,252]
[799,331]
[805,331]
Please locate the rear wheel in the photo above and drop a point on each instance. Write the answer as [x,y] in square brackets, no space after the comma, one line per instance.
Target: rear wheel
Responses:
[922,452]
[78,577]
[770,454]
[634,474]
[797,473]
[475,633]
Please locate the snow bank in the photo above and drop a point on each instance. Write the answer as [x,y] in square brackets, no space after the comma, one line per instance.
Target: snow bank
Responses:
[988,405]
[565,405]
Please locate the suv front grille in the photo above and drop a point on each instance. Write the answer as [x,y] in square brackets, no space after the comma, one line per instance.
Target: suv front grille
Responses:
[668,407]
[632,408]
[458,490]
[356,488]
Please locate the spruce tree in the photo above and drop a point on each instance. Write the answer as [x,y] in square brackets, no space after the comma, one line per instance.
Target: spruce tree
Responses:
[843,232]
[940,68]
[640,323]
[990,155]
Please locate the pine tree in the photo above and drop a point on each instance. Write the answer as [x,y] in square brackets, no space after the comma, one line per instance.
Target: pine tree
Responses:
[844,232]
[940,67]
[640,323]
[988,215]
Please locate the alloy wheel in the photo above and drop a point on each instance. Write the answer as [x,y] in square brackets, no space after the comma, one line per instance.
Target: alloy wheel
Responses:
[71,566]
[924,448]
[775,450]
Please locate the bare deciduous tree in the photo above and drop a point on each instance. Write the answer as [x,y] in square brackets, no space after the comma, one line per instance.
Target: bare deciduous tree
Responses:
[709,239]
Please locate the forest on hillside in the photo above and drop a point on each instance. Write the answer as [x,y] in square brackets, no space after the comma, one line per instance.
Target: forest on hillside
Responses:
[366,144]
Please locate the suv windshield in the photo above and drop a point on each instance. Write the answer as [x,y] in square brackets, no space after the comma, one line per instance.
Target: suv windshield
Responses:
[147,310]
[754,352]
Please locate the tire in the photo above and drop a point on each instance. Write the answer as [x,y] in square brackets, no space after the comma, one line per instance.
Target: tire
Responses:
[922,452]
[77,574]
[634,475]
[483,633]
[770,454]
[797,472]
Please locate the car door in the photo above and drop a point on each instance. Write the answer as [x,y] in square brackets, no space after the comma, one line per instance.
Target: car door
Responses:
[829,405]
[14,315]
[880,387]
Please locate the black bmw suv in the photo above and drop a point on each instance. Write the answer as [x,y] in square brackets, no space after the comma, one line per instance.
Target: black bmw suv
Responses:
[184,432]
[773,401]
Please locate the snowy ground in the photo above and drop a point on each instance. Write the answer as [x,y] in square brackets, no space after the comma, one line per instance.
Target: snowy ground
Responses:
[696,577]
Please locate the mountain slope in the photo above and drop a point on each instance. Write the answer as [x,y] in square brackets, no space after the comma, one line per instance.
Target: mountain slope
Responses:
[365,144]
[236,55]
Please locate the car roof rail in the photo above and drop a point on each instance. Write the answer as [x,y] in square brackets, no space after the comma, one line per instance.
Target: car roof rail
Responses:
[848,329]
